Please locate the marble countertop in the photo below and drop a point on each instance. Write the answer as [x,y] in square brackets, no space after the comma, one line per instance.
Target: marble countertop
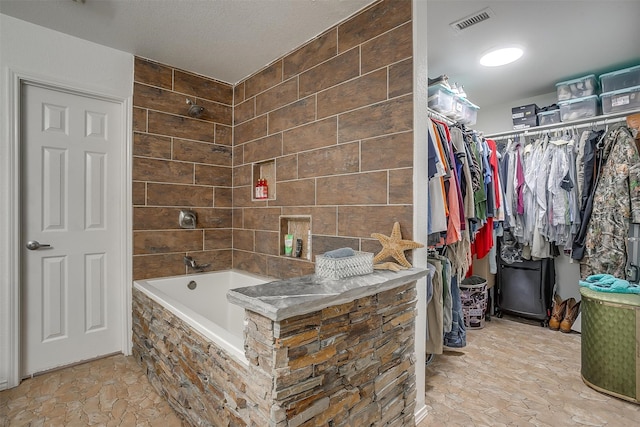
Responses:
[287,298]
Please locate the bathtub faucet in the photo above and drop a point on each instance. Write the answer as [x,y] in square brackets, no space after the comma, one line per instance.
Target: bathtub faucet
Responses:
[190,262]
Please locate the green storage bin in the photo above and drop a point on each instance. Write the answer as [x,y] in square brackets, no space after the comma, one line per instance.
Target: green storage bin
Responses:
[610,351]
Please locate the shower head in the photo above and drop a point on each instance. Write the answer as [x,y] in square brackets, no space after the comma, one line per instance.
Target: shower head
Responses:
[194,109]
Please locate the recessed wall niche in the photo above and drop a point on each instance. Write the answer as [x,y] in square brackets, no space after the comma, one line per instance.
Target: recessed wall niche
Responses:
[300,227]
[264,170]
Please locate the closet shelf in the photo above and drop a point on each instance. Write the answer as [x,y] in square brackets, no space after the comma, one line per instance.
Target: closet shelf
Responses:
[576,124]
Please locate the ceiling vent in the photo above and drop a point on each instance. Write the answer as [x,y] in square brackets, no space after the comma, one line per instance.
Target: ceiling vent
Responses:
[473,19]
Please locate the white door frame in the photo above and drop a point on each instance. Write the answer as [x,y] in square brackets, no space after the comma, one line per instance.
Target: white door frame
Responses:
[12,330]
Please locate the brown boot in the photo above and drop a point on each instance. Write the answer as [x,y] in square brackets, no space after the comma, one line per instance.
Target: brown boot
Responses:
[558,312]
[573,308]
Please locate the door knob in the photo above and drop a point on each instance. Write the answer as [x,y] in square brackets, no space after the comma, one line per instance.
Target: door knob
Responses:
[34,245]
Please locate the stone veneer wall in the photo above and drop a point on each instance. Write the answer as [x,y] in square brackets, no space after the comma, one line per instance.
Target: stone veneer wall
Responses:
[202,383]
[180,162]
[349,364]
[336,117]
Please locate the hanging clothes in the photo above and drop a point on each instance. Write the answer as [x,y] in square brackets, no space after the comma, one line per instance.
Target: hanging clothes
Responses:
[588,173]
[514,188]
[466,184]
[434,312]
[437,215]
[562,198]
[531,158]
[452,186]
[457,336]
[616,202]
[495,178]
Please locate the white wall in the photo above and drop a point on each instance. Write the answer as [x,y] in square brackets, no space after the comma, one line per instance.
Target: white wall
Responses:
[567,276]
[35,52]
[497,118]
[420,131]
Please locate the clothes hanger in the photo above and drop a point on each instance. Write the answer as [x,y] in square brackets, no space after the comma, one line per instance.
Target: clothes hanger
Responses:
[559,141]
[600,143]
[574,135]
[528,148]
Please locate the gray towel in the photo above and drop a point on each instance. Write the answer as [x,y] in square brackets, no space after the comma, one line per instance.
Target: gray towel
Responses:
[340,253]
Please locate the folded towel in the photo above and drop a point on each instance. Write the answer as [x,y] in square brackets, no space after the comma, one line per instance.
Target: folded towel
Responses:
[609,283]
[340,253]
[599,277]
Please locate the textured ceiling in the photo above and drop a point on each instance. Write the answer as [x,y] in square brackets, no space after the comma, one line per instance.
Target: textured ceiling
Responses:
[224,39]
[231,39]
[562,40]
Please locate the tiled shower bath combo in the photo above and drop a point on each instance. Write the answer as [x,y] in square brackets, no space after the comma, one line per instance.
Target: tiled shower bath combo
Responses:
[330,125]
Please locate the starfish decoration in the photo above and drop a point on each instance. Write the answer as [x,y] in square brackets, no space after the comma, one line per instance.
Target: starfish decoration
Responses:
[393,246]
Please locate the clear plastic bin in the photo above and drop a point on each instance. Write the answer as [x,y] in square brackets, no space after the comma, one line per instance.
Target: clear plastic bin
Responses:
[621,100]
[621,79]
[579,108]
[459,108]
[548,117]
[470,112]
[441,99]
[577,88]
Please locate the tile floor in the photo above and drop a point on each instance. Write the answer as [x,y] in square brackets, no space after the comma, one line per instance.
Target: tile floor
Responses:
[510,373]
[516,373]
[113,391]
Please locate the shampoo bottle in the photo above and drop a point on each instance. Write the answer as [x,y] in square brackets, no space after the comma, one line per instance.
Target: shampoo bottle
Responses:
[288,244]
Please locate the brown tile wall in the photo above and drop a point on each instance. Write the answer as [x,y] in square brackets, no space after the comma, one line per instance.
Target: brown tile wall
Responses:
[180,162]
[336,117]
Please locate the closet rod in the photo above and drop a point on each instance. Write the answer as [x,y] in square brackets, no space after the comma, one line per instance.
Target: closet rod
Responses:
[577,124]
[435,115]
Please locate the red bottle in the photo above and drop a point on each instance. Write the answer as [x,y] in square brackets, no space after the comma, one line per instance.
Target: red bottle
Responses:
[265,189]
[258,190]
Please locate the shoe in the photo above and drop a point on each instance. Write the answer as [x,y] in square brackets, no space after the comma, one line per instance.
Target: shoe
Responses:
[570,315]
[557,315]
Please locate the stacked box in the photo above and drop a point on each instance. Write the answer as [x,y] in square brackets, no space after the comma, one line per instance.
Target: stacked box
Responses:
[579,108]
[549,117]
[621,79]
[469,112]
[441,99]
[524,116]
[577,88]
[620,90]
[621,100]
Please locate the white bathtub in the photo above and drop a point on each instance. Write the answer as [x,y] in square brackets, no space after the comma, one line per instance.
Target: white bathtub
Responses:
[205,308]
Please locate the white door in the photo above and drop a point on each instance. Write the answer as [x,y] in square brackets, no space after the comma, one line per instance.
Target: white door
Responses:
[71,177]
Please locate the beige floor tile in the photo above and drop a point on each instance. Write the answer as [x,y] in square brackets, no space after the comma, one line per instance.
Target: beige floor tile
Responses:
[110,391]
[514,372]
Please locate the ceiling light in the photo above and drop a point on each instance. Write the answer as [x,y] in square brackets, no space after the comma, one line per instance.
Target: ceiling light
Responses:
[501,56]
